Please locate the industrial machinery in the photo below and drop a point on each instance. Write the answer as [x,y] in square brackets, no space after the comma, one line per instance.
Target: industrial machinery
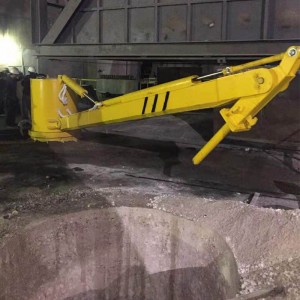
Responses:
[249,87]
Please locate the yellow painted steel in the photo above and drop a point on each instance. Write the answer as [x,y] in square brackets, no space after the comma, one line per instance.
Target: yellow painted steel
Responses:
[252,64]
[250,91]
[45,106]
[210,146]
[74,86]
[177,96]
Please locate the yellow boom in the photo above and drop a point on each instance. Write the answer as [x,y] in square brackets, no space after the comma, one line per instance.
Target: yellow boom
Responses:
[248,87]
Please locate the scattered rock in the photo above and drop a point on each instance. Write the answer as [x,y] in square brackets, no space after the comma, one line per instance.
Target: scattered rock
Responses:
[259,294]
[77,169]
[9,216]
[14,213]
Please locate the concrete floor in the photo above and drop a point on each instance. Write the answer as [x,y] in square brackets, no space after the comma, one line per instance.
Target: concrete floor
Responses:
[142,155]
[149,164]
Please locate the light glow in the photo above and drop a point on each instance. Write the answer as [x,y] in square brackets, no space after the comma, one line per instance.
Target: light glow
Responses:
[10,51]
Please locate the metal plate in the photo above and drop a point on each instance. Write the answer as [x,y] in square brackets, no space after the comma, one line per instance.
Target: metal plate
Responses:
[113,3]
[172,23]
[86,28]
[285,17]
[207,22]
[244,20]
[171,1]
[112,27]
[141,2]
[141,25]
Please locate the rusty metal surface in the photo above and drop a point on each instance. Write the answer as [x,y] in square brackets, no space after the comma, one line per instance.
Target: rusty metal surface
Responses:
[188,20]
[180,23]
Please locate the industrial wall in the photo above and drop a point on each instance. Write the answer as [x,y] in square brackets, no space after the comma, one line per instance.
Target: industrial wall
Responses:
[183,29]
[15,20]
[163,21]
[15,34]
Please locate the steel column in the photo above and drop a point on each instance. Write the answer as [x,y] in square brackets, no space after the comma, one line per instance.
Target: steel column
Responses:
[61,21]
[38,20]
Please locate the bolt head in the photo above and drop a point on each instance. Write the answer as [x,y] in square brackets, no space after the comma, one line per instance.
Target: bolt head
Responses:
[292,52]
[260,80]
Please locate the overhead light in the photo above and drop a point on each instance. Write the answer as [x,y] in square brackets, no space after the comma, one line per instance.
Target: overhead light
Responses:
[10,51]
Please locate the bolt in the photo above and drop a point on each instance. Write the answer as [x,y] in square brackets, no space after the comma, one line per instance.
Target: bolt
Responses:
[237,109]
[260,80]
[292,52]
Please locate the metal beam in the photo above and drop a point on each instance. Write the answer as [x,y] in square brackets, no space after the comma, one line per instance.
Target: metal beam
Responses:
[61,21]
[201,50]
[38,10]
[56,5]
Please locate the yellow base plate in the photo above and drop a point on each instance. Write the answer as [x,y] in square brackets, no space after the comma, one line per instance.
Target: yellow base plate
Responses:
[52,136]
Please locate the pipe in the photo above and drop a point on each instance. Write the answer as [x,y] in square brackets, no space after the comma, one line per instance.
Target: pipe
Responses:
[73,85]
[256,63]
[211,144]
[79,90]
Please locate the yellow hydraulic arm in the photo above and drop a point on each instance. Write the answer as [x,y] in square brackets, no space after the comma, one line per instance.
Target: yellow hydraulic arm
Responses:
[247,86]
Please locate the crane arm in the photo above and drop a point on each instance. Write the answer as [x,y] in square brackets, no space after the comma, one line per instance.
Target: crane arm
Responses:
[248,90]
